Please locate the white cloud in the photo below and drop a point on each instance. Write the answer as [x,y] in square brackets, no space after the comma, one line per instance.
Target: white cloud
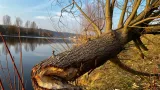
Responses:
[42,17]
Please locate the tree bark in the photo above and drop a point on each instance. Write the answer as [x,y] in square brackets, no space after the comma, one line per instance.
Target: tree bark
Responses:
[69,65]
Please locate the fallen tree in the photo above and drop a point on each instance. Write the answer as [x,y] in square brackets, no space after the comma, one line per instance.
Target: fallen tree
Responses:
[56,71]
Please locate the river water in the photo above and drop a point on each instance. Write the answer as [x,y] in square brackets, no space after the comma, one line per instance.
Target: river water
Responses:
[34,50]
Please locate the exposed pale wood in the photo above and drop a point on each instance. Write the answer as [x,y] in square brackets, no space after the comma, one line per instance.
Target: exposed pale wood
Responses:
[77,61]
[71,64]
[83,58]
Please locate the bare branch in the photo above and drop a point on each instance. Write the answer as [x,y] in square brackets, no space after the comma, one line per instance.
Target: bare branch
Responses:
[136,4]
[154,2]
[147,11]
[138,47]
[64,9]
[88,19]
[112,7]
[154,33]
[144,20]
[153,29]
[149,27]
[122,14]
[148,2]
[108,17]
[141,44]
[1,84]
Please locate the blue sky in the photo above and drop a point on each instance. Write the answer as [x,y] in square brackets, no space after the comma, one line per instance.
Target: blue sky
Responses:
[32,10]
[38,11]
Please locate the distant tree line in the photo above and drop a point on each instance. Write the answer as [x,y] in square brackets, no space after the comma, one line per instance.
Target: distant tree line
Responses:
[28,29]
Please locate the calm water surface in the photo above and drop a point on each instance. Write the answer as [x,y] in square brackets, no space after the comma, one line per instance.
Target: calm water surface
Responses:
[33,51]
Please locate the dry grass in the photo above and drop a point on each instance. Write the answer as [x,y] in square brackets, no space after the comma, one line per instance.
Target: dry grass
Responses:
[110,76]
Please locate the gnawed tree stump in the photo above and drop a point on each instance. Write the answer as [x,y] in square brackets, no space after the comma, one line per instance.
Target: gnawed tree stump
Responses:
[69,65]
[55,72]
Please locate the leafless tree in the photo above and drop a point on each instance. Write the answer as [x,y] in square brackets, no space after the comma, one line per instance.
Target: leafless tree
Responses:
[95,11]
[33,25]
[6,20]
[27,24]
[18,22]
[133,23]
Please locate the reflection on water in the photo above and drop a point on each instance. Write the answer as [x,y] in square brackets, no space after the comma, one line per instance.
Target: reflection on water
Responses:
[30,44]
[34,50]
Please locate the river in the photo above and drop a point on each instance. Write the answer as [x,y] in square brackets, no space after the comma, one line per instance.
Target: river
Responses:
[34,50]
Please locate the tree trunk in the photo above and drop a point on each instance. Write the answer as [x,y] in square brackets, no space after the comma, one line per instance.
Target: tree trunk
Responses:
[69,65]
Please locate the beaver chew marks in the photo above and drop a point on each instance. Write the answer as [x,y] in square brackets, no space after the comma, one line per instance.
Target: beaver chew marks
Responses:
[55,78]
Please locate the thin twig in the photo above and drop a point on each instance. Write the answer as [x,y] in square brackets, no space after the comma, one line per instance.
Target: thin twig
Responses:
[21,62]
[15,67]
[9,73]
[7,78]
[1,84]
[88,19]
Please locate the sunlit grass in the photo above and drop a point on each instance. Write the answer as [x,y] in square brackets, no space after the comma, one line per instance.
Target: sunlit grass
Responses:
[110,76]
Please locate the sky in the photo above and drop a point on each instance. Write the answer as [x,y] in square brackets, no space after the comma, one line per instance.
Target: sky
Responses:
[39,11]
